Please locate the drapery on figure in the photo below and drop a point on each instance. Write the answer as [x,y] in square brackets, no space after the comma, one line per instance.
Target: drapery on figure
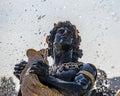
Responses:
[67,75]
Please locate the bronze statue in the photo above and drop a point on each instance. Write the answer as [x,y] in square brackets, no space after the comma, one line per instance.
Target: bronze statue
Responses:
[67,76]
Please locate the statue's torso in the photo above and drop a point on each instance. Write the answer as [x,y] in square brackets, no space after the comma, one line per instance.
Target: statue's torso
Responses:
[32,86]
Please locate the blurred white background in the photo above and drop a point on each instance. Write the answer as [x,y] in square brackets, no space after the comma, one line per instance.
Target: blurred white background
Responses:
[24,24]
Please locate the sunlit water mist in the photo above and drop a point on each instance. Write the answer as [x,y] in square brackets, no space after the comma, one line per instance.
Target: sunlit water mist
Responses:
[25,24]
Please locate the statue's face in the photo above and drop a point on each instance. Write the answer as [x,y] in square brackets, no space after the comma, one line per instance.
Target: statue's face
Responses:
[63,36]
[83,81]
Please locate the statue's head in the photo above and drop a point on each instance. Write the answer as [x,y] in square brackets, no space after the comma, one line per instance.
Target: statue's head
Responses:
[64,36]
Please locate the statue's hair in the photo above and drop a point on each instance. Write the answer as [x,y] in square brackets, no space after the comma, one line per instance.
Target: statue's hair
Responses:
[77,53]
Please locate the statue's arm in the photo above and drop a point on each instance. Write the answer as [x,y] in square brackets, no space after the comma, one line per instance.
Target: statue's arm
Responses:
[80,84]
[75,88]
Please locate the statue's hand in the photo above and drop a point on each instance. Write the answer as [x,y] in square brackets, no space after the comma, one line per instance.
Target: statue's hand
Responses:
[40,69]
[18,68]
